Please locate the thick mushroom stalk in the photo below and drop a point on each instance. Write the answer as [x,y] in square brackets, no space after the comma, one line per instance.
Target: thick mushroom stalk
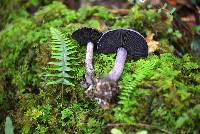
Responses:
[88,62]
[117,70]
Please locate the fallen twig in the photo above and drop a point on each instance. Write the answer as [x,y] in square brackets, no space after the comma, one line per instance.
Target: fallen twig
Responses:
[120,11]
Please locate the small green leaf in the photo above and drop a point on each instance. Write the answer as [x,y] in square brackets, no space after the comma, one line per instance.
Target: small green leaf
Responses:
[142,132]
[181,120]
[116,131]
[8,126]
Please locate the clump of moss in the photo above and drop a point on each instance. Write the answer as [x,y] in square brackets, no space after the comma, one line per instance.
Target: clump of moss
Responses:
[158,91]
[25,52]
[12,9]
[162,92]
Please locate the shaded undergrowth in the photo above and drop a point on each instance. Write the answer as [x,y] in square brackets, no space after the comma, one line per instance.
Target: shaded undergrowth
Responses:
[159,91]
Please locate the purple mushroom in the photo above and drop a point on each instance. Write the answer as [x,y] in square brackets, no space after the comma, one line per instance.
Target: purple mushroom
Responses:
[124,42]
[90,37]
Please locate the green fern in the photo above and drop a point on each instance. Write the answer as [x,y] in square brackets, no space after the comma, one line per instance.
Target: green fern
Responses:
[130,92]
[138,76]
[62,50]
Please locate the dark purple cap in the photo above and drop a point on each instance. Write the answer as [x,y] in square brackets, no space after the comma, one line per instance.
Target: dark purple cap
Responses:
[85,35]
[131,40]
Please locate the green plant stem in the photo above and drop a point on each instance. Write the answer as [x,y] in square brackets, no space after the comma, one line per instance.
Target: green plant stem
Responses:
[62,96]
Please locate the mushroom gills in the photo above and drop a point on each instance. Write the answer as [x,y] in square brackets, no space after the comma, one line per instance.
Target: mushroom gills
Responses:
[131,40]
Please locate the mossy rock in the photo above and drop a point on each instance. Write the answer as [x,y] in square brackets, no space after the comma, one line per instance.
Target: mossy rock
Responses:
[162,92]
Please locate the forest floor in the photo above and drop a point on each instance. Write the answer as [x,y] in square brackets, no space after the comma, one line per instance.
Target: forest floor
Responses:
[156,94]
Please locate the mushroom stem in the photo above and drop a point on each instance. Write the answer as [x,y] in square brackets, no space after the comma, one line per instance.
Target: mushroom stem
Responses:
[88,63]
[117,70]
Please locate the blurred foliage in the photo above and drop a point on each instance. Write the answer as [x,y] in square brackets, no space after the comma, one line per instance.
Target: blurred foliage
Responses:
[11,9]
[160,91]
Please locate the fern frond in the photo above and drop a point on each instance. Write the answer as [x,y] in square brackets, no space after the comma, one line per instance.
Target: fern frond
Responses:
[138,76]
[62,51]
[129,91]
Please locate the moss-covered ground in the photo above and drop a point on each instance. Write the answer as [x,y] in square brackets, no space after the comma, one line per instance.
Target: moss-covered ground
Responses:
[159,94]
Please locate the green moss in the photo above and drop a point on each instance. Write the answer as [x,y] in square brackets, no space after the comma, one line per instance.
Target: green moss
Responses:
[159,91]
[53,11]
[150,21]
[85,13]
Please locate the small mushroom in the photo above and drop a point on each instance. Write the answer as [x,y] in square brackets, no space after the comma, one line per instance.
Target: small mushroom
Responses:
[124,42]
[90,37]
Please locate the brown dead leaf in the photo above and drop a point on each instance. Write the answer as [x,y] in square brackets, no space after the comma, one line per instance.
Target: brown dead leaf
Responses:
[179,2]
[172,2]
[152,44]
[103,26]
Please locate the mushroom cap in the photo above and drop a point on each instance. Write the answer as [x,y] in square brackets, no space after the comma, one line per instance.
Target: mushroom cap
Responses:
[131,40]
[85,35]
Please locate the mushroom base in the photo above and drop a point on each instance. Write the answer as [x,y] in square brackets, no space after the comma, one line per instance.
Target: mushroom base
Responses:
[103,91]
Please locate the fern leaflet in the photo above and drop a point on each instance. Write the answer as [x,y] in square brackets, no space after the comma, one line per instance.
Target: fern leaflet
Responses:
[62,51]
